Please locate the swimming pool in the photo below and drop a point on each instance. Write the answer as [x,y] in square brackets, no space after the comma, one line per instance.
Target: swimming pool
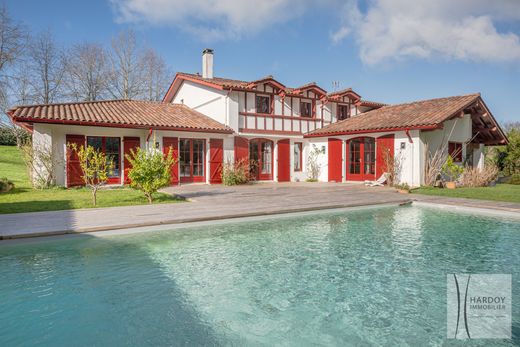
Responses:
[368,277]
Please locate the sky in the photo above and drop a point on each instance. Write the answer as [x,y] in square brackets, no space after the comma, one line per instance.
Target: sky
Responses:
[390,51]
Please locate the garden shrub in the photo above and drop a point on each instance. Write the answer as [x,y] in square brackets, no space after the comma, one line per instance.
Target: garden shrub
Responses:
[151,170]
[514,179]
[12,136]
[235,173]
[475,177]
[5,185]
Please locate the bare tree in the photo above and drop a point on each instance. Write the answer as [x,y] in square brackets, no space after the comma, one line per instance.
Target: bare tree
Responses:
[13,38]
[155,76]
[47,66]
[86,72]
[126,65]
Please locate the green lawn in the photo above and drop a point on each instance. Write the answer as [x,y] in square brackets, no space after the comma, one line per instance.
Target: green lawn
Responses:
[501,192]
[26,199]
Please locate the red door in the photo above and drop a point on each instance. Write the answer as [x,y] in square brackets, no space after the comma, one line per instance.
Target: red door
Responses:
[192,160]
[261,155]
[361,161]
[335,158]
[74,172]
[284,160]
[216,159]
[173,143]
[128,144]
[384,154]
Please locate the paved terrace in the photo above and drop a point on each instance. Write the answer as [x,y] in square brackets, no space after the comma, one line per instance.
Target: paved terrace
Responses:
[220,202]
[205,203]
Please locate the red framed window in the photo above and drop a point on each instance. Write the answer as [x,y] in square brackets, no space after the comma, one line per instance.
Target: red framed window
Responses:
[455,151]
[111,146]
[191,160]
[298,156]
[263,104]
[343,112]
[306,109]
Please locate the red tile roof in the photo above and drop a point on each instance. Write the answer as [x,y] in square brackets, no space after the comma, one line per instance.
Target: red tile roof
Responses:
[120,113]
[226,83]
[419,114]
[373,104]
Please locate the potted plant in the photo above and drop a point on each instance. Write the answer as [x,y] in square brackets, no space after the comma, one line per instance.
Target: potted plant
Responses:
[452,171]
[402,188]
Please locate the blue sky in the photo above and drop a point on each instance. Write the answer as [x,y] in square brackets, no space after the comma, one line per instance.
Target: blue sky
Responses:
[418,50]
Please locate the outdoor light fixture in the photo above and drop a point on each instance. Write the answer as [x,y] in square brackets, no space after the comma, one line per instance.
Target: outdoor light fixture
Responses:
[403,145]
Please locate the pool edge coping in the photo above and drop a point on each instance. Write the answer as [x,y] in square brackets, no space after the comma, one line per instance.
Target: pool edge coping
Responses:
[189,222]
[186,221]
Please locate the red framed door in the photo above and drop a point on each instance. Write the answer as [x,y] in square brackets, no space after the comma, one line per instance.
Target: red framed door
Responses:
[384,148]
[192,160]
[361,161]
[111,146]
[173,143]
[335,158]
[74,172]
[261,154]
[128,144]
[284,160]
[216,159]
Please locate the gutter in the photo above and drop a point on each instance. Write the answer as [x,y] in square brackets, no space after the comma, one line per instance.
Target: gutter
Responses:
[380,130]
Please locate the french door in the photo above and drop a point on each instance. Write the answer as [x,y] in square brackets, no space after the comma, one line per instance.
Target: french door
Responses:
[191,160]
[361,163]
[261,156]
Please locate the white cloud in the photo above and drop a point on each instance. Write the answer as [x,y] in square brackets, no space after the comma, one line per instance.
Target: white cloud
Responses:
[451,29]
[211,19]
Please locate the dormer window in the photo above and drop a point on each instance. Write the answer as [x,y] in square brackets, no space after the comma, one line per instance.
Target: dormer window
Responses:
[343,112]
[306,109]
[263,104]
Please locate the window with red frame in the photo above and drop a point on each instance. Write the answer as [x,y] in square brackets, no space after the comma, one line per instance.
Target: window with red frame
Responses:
[343,112]
[306,109]
[111,147]
[455,151]
[298,156]
[263,104]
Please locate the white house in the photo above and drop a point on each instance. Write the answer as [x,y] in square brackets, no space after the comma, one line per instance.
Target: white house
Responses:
[208,120]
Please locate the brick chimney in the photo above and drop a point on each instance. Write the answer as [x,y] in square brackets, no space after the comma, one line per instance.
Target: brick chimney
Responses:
[207,63]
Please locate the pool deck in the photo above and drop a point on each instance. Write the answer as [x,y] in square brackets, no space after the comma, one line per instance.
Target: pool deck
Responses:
[208,203]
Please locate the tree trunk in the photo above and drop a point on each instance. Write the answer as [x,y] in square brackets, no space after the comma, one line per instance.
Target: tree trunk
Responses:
[149,196]
[94,191]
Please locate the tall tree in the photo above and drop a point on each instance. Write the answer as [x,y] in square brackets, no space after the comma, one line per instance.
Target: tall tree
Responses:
[47,67]
[155,76]
[13,38]
[86,72]
[126,65]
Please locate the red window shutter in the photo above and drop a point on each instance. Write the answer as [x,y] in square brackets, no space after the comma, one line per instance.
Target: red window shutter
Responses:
[128,144]
[173,143]
[241,148]
[284,160]
[384,144]
[74,172]
[335,159]
[216,159]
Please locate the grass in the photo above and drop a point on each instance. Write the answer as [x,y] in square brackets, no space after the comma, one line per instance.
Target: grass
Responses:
[23,198]
[501,192]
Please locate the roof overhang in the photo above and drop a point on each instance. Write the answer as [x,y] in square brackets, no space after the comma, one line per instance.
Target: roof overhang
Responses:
[31,121]
[379,130]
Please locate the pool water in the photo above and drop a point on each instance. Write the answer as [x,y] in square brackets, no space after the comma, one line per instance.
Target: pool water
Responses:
[366,277]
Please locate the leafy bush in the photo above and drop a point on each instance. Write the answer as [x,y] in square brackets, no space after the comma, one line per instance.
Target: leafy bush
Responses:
[235,173]
[475,177]
[5,185]
[507,157]
[514,179]
[12,136]
[451,170]
[151,170]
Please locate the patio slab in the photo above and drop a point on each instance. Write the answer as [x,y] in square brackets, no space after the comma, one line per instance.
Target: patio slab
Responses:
[205,203]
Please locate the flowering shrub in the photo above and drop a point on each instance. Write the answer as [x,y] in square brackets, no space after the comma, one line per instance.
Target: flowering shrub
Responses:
[235,173]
